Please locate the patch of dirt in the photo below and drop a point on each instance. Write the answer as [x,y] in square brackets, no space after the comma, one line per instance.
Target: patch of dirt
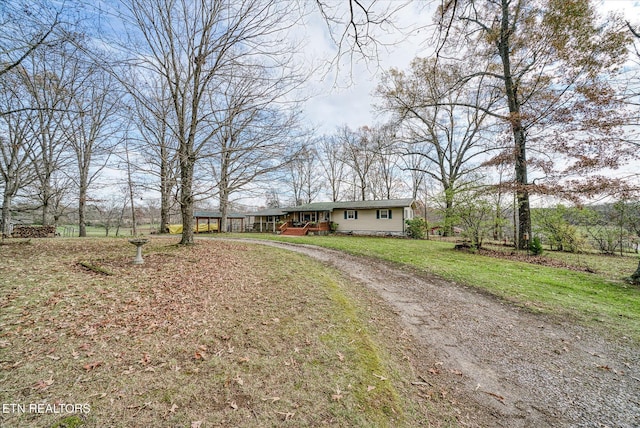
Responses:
[501,365]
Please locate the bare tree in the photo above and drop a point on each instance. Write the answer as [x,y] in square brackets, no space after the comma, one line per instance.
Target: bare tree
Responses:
[439,124]
[333,165]
[91,129]
[255,131]
[358,150]
[359,29]
[24,27]
[193,46]
[384,175]
[302,176]
[49,83]
[16,145]
[152,111]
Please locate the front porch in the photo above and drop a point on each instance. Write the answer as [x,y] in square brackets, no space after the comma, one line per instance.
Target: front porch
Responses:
[304,222]
[297,228]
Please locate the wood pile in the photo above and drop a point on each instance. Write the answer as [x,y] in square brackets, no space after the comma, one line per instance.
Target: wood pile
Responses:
[33,231]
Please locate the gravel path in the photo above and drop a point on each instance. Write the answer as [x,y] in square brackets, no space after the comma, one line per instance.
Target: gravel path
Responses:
[505,366]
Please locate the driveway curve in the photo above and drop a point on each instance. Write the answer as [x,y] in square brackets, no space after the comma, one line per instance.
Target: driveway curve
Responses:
[504,365]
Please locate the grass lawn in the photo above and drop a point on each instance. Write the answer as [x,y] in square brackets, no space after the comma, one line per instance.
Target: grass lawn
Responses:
[218,334]
[601,298]
[72,230]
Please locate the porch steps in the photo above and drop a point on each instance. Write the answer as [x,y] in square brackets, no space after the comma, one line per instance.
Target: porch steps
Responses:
[295,231]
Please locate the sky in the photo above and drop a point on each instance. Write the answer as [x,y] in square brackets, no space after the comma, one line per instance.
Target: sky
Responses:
[346,97]
[343,95]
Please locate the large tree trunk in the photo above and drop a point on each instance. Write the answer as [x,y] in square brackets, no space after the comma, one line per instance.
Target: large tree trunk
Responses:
[223,188]
[82,209]
[186,198]
[165,201]
[165,190]
[447,230]
[6,213]
[519,135]
[46,205]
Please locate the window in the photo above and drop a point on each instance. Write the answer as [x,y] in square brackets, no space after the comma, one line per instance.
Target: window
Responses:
[383,214]
[351,215]
[408,213]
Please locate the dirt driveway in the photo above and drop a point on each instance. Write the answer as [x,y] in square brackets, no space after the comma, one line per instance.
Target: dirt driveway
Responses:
[502,365]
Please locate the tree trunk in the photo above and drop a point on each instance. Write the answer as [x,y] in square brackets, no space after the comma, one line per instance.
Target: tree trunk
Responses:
[82,208]
[46,206]
[519,135]
[165,191]
[447,230]
[186,199]
[635,278]
[164,212]
[6,213]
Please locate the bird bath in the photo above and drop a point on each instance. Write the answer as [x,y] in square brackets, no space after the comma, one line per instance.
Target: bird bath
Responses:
[138,242]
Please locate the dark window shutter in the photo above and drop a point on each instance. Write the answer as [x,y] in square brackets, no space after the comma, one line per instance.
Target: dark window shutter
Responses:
[378,214]
[390,211]
[345,214]
[356,214]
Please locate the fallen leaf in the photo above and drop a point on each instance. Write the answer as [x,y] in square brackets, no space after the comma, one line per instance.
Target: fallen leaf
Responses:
[370,388]
[340,356]
[173,408]
[91,366]
[196,424]
[239,380]
[233,405]
[42,385]
[273,399]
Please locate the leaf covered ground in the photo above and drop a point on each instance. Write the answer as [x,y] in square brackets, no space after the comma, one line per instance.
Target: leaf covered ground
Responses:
[218,334]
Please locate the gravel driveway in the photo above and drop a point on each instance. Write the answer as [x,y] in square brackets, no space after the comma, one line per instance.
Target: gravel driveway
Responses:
[503,365]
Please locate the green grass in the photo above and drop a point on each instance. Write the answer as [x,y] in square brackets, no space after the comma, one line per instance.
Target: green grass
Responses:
[72,230]
[601,298]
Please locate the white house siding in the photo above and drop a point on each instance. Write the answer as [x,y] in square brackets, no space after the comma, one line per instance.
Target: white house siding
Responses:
[368,223]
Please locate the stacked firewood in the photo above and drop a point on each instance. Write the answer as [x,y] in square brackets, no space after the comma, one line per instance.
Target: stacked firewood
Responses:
[33,231]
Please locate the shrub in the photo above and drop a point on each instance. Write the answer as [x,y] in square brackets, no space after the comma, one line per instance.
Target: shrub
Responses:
[535,246]
[416,228]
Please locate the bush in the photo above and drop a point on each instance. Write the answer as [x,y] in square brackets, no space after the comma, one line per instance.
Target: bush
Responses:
[535,246]
[416,228]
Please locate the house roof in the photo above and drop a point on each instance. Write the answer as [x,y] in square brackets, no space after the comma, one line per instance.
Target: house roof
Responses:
[268,212]
[352,205]
[216,214]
